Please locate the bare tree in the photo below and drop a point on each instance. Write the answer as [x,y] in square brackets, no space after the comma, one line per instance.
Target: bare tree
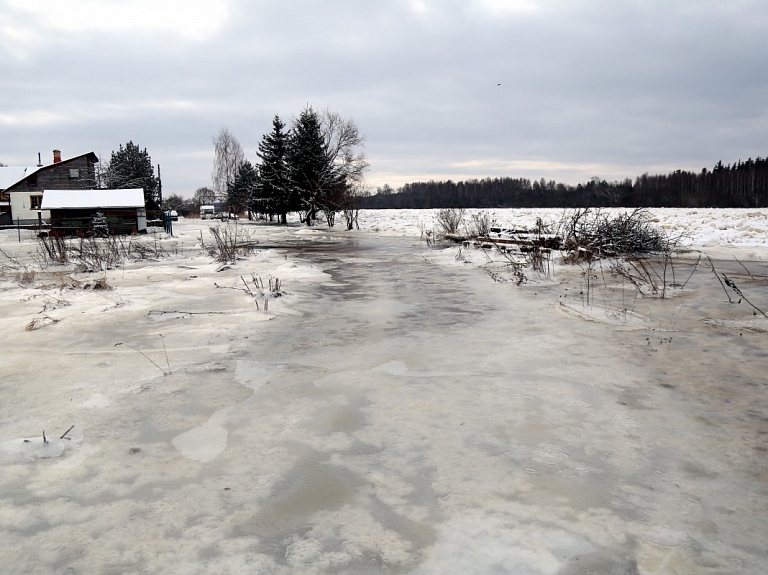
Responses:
[346,163]
[343,142]
[350,204]
[228,155]
[204,196]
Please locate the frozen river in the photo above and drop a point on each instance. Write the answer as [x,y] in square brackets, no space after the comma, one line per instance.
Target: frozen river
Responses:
[392,412]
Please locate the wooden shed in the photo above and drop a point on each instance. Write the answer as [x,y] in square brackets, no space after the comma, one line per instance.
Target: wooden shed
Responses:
[73,211]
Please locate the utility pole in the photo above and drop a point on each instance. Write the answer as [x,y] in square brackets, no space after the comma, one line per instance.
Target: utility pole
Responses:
[159,188]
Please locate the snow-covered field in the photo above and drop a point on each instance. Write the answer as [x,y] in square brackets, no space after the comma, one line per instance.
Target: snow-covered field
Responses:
[702,227]
[392,410]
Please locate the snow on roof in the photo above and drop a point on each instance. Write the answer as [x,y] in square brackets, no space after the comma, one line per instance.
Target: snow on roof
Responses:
[15,174]
[64,199]
[9,175]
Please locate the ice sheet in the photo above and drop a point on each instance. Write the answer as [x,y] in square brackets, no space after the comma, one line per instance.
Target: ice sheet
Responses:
[395,410]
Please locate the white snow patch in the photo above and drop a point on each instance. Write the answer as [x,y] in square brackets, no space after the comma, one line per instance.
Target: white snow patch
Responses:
[29,449]
[203,443]
[96,401]
[482,543]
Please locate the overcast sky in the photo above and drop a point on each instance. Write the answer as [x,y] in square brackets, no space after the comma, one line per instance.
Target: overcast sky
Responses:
[607,88]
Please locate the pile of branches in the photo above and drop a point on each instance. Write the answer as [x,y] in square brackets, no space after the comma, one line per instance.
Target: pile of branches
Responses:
[591,233]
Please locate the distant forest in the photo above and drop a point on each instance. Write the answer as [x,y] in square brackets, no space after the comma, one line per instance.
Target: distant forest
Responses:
[740,185]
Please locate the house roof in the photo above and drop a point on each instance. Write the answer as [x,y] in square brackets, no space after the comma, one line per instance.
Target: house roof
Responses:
[83,199]
[16,175]
[9,175]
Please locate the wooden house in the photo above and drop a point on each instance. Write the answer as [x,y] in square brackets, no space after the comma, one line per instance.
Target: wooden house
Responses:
[72,212]
[23,187]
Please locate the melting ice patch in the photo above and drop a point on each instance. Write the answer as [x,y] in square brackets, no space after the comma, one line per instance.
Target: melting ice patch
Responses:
[206,442]
[255,374]
[399,368]
[203,443]
[26,450]
[96,401]
[480,543]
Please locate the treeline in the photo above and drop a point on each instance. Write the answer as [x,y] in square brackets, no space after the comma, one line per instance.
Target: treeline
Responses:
[740,185]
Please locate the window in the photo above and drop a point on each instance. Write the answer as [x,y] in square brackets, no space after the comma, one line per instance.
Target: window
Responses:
[74,173]
[32,181]
[35,202]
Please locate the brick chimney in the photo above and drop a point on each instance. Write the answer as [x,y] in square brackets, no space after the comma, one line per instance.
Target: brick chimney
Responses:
[56,156]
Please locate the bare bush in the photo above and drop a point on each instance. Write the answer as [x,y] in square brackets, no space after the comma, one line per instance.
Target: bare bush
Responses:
[350,204]
[141,250]
[642,274]
[229,242]
[51,250]
[95,254]
[479,225]
[449,220]
[9,262]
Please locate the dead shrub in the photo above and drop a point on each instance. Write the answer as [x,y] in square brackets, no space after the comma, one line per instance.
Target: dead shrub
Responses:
[449,220]
[479,225]
[9,262]
[229,243]
[51,250]
[95,254]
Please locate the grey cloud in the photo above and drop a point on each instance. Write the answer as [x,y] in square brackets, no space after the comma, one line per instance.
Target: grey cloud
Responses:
[620,86]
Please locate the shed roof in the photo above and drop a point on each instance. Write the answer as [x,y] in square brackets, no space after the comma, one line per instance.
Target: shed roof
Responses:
[83,199]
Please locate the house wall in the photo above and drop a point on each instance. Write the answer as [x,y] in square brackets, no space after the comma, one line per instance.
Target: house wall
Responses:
[121,221]
[22,204]
[54,177]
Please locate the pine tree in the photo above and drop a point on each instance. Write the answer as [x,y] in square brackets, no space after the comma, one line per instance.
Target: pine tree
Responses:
[274,190]
[308,165]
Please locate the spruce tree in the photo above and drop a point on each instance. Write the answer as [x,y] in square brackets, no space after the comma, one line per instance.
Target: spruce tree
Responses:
[131,167]
[273,195]
[241,191]
[308,165]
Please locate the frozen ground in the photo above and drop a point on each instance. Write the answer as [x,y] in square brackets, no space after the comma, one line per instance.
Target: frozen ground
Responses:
[395,410]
